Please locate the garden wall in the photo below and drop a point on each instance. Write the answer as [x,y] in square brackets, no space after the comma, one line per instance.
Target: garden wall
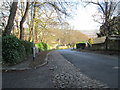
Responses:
[113,44]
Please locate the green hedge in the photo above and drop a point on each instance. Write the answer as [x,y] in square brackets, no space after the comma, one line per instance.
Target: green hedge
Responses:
[14,50]
[42,46]
[28,46]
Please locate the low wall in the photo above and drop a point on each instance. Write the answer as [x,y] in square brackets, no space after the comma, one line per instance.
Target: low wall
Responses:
[99,46]
[112,45]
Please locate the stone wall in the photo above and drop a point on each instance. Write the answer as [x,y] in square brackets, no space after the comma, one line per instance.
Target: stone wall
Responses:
[112,45]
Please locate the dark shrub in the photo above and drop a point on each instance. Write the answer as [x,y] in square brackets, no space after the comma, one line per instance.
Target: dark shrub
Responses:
[28,46]
[14,50]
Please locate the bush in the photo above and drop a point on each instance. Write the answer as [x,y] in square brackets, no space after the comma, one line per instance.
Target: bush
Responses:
[45,46]
[28,46]
[14,50]
[42,46]
[48,47]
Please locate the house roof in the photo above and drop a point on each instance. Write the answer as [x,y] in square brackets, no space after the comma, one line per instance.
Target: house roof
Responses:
[99,40]
[102,39]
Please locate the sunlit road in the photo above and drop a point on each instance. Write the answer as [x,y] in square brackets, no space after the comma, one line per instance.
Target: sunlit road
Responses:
[100,67]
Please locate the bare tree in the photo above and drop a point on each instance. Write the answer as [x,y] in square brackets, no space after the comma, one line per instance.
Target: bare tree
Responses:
[10,23]
[108,10]
[4,8]
[23,20]
[59,7]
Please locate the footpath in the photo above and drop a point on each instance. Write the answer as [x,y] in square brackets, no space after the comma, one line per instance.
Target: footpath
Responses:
[40,60]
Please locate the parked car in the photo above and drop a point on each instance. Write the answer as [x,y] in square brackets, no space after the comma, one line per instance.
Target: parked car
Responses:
[81,45]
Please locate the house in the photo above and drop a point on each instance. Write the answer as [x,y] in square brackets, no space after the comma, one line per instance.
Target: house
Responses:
[99,40]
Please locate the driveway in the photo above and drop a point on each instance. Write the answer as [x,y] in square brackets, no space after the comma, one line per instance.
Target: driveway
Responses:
[100,67]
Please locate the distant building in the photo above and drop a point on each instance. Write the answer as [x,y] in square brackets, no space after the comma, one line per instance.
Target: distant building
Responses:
[99,40]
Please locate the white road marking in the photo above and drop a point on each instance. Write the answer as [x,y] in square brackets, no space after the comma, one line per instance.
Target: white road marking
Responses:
[116,67]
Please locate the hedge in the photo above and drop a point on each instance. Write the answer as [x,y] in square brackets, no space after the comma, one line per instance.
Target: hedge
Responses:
[14,50]
[28,46]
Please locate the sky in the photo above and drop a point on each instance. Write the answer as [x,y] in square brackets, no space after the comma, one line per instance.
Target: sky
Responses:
[83,20]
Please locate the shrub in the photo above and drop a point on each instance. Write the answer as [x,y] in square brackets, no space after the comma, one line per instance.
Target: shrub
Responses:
[48,47]
[90,41]
[42,46]
[28,46]
[14,50]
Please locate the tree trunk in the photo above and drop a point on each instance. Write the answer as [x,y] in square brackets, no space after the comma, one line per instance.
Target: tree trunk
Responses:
[10,23]
[23,20]
[36,36]
[33,20]
[30,34]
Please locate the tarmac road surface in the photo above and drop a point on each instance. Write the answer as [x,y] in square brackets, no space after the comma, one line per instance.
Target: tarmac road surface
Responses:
[100,67]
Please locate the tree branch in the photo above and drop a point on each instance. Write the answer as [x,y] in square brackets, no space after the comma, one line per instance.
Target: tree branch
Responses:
[96,4]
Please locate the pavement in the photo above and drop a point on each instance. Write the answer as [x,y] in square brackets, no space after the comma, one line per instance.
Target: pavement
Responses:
[22,76]
[23,66]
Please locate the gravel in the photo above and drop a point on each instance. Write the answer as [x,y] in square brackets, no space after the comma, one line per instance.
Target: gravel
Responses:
[66,75]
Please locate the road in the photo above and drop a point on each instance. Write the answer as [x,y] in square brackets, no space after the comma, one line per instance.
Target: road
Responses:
[96,66]
[100,67]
